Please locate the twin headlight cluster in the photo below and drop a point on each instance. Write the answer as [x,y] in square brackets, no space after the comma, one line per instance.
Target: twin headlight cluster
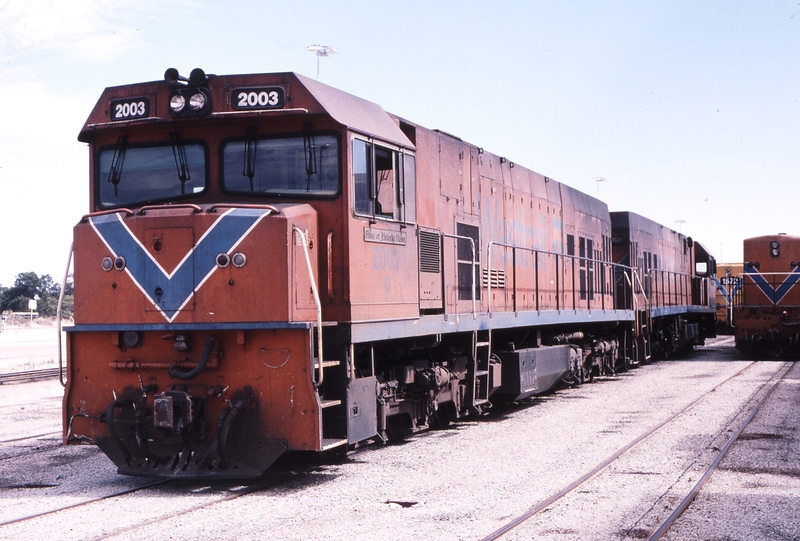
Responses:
[189,96]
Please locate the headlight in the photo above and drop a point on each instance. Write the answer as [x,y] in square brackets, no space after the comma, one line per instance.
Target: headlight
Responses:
[189,102]
[197,101]
[177,103]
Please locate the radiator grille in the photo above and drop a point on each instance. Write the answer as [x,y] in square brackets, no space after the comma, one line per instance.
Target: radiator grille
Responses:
[429,260]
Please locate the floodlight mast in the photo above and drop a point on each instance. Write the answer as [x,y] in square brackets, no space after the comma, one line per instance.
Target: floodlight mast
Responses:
[321,50]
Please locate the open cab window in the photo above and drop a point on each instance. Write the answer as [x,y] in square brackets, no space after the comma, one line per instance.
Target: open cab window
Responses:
[384,182]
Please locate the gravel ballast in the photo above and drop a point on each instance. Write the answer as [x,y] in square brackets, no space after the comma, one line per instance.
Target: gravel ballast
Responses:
[467,481]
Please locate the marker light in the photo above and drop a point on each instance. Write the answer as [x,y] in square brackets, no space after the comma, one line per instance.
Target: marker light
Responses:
[238,260]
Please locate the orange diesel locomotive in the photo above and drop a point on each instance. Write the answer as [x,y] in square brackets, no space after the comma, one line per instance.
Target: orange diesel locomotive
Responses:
[766,310]
[273,265]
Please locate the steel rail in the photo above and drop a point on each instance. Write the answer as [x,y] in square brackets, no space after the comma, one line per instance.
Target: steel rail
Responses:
[248,489]
[29,452]
[86,502]
[32,437]
[679,510]
[602,465]
[29,375]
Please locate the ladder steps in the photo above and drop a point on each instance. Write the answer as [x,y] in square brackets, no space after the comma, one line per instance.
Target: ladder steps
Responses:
[330,403]
[330,443]
[326,364]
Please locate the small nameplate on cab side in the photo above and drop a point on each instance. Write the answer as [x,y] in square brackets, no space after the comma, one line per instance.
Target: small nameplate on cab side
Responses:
[268,97]
[384,237]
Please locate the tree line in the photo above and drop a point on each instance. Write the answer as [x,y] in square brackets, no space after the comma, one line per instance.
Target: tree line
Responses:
[29,286]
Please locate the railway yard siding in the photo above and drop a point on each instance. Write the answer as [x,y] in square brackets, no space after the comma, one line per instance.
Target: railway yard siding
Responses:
[29,348]
[515,459]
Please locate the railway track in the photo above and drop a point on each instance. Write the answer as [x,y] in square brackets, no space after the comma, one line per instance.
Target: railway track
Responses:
[681,507]
[84,502]
[230,494]
[28,375]
[690,496]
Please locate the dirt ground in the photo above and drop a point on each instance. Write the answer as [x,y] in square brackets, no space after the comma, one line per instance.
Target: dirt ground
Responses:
[29,347]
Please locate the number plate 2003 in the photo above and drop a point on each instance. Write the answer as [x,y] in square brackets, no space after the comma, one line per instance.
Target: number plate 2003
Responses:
[269,97]
[130,108]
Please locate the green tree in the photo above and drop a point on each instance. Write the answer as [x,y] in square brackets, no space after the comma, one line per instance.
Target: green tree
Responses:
[29,286]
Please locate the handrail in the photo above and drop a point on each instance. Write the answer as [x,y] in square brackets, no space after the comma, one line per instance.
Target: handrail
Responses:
[474,260]
[536,252]
[678,289]
[315,292]
[170,206]
[129,212]
[58,318]
[776,281]
[214,207]
[641,289]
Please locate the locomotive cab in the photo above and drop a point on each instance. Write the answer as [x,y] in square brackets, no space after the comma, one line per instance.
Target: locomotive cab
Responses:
[214,250]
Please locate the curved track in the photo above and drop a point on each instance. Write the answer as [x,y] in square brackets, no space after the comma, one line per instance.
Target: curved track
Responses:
[616,455]
[684,504]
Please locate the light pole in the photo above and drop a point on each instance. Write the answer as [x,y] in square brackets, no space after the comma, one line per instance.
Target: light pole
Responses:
[598,180]
[321,50]
[680,225]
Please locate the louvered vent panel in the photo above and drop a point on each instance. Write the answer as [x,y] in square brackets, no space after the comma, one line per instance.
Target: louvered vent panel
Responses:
[429,260]
[498,277]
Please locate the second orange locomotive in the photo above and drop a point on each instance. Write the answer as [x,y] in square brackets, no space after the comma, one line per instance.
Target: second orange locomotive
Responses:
[766,311]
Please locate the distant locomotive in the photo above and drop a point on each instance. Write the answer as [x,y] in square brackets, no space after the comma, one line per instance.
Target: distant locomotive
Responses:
[273,265]
[766,311]
[728,282]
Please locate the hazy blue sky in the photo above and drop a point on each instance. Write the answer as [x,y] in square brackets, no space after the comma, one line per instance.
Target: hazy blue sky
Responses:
[688,108]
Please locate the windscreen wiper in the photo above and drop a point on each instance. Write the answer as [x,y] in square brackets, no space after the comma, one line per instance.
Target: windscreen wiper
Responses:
[181,163]
[117,160]
[310,153]
[250,146]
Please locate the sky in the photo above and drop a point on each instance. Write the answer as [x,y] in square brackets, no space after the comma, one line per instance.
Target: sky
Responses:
[687,109]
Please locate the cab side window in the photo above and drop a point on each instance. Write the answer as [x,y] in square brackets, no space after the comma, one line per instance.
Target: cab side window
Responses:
[384,182]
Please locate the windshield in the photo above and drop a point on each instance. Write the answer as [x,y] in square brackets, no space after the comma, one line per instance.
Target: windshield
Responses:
[305,165]
[143,174]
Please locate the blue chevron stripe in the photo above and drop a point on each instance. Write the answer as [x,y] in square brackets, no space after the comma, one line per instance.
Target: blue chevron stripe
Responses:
[176,288]
[773,294]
